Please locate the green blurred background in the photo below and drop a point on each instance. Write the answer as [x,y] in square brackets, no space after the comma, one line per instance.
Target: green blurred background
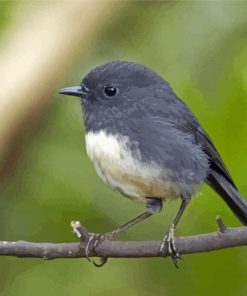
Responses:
[47,180]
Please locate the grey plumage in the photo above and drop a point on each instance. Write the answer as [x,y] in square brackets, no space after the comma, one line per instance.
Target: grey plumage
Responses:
[161,130]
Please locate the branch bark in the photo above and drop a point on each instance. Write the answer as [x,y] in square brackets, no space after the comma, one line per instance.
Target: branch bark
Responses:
[230,237]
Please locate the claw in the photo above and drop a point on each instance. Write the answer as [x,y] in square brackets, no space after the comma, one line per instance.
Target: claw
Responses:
[172,250]
[92,243]
[93,237]
[103,261]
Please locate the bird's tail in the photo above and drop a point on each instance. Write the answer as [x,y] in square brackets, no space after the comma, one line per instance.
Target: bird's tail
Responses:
[229,194]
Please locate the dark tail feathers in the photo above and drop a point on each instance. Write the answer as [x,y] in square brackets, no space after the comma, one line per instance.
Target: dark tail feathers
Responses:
[229,194]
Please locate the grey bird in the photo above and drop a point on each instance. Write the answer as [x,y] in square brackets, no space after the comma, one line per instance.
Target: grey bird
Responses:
[146,143]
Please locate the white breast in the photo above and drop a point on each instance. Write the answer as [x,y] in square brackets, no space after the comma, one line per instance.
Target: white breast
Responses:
[100,145]
[115,164]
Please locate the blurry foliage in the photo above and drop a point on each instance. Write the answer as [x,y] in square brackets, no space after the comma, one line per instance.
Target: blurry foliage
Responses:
[201,49]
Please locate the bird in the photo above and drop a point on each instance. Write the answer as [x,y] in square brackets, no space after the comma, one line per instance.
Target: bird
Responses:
[145,142]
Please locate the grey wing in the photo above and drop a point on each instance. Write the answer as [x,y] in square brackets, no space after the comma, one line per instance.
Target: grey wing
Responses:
[174,110]
[173,150]
[171,109]
[218,177]
[201,137]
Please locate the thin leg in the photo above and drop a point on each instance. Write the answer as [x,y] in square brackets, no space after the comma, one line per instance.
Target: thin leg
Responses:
[153,206]
[169,237]
[180,212]
[132,222]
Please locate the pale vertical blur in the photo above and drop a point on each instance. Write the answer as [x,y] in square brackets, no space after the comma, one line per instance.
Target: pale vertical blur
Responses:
[42,42]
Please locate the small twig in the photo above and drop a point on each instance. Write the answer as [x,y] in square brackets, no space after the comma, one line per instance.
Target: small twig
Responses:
[80,231]
[221,224]
[85,237]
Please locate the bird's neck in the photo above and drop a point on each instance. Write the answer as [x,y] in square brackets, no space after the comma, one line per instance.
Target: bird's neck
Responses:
[111,121]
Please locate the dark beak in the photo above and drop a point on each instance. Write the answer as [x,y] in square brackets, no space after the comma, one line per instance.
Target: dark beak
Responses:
[76,91]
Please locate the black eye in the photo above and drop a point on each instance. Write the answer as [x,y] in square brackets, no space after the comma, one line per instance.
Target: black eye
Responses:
[110,91]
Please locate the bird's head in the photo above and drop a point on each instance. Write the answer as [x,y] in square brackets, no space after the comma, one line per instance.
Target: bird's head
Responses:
[117,83]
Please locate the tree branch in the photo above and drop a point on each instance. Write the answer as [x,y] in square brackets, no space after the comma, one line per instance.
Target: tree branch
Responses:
[224,238]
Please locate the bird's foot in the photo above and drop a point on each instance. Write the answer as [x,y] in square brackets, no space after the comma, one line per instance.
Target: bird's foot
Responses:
[91,244]
[170,241]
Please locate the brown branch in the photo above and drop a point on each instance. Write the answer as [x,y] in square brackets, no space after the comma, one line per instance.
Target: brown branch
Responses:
[230,237]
